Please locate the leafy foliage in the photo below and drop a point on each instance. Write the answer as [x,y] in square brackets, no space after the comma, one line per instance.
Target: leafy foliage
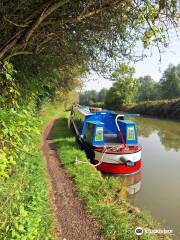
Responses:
[146,90]
[25,210]
[16,129]
[124,89]
[9,93]
[16,125]
[92,97]
[22,92]
[149,89]
[170,82]
[167,88]
[97,30]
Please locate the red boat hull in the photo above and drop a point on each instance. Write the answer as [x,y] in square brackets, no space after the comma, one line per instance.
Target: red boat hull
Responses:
[118,168]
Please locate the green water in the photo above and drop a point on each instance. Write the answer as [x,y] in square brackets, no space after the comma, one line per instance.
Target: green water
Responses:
[158,190]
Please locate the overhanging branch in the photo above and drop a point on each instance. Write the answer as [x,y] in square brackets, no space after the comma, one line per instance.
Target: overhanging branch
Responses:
[21,38]
[79,18]
[18,53]
[72,20]
[47,11]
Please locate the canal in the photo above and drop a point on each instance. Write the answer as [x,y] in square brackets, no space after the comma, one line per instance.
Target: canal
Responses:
[157,187]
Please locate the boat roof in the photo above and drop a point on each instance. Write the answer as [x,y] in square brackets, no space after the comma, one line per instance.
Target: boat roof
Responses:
[126,121]
[86,111]
[95,122]
[105,112]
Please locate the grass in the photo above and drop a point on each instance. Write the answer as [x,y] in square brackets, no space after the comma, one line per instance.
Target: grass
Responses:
[116,218]
[26,213]
[158,108]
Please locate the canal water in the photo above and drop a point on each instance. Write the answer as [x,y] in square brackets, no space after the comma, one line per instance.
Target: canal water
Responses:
[157,187]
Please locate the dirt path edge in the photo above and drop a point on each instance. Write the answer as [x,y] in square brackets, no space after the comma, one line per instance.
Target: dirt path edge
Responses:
[73,222]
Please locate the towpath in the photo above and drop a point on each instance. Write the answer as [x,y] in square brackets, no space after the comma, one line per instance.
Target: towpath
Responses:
[73,222]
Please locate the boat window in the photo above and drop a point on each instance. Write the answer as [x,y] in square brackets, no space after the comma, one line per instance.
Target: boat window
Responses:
[89,133]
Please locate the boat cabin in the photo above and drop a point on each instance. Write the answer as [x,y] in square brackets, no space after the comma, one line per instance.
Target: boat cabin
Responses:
[101,128]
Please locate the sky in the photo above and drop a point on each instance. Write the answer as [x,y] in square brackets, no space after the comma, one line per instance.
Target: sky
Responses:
[148,66]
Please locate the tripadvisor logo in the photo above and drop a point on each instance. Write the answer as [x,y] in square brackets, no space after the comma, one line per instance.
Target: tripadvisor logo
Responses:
[139,231]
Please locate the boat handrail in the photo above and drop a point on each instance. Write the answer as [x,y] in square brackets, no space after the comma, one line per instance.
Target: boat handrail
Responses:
[119,129]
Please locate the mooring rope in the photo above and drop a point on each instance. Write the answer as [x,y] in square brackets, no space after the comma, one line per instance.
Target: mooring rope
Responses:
[95,165]
[102,157]
[101,160]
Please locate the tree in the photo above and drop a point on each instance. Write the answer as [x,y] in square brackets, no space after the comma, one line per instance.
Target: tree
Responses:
[96,28]
[170,82]
[88,97]
[125,87]
[102,95]
[92,97]
[148,89]
[48,40]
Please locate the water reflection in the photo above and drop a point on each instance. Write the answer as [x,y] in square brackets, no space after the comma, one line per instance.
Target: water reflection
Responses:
[167,131]
[131,184]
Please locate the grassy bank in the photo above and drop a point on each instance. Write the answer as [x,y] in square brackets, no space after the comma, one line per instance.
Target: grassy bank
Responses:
[116,218]
[26,213]
[160,108]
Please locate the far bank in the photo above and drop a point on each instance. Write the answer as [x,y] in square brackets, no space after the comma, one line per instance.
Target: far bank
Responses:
[160,108]
[169,109]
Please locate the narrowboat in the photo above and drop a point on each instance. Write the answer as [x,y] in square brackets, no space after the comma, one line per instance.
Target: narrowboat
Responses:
[110,141]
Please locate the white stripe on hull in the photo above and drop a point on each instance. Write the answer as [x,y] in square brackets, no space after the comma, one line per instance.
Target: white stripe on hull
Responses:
[115,158]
